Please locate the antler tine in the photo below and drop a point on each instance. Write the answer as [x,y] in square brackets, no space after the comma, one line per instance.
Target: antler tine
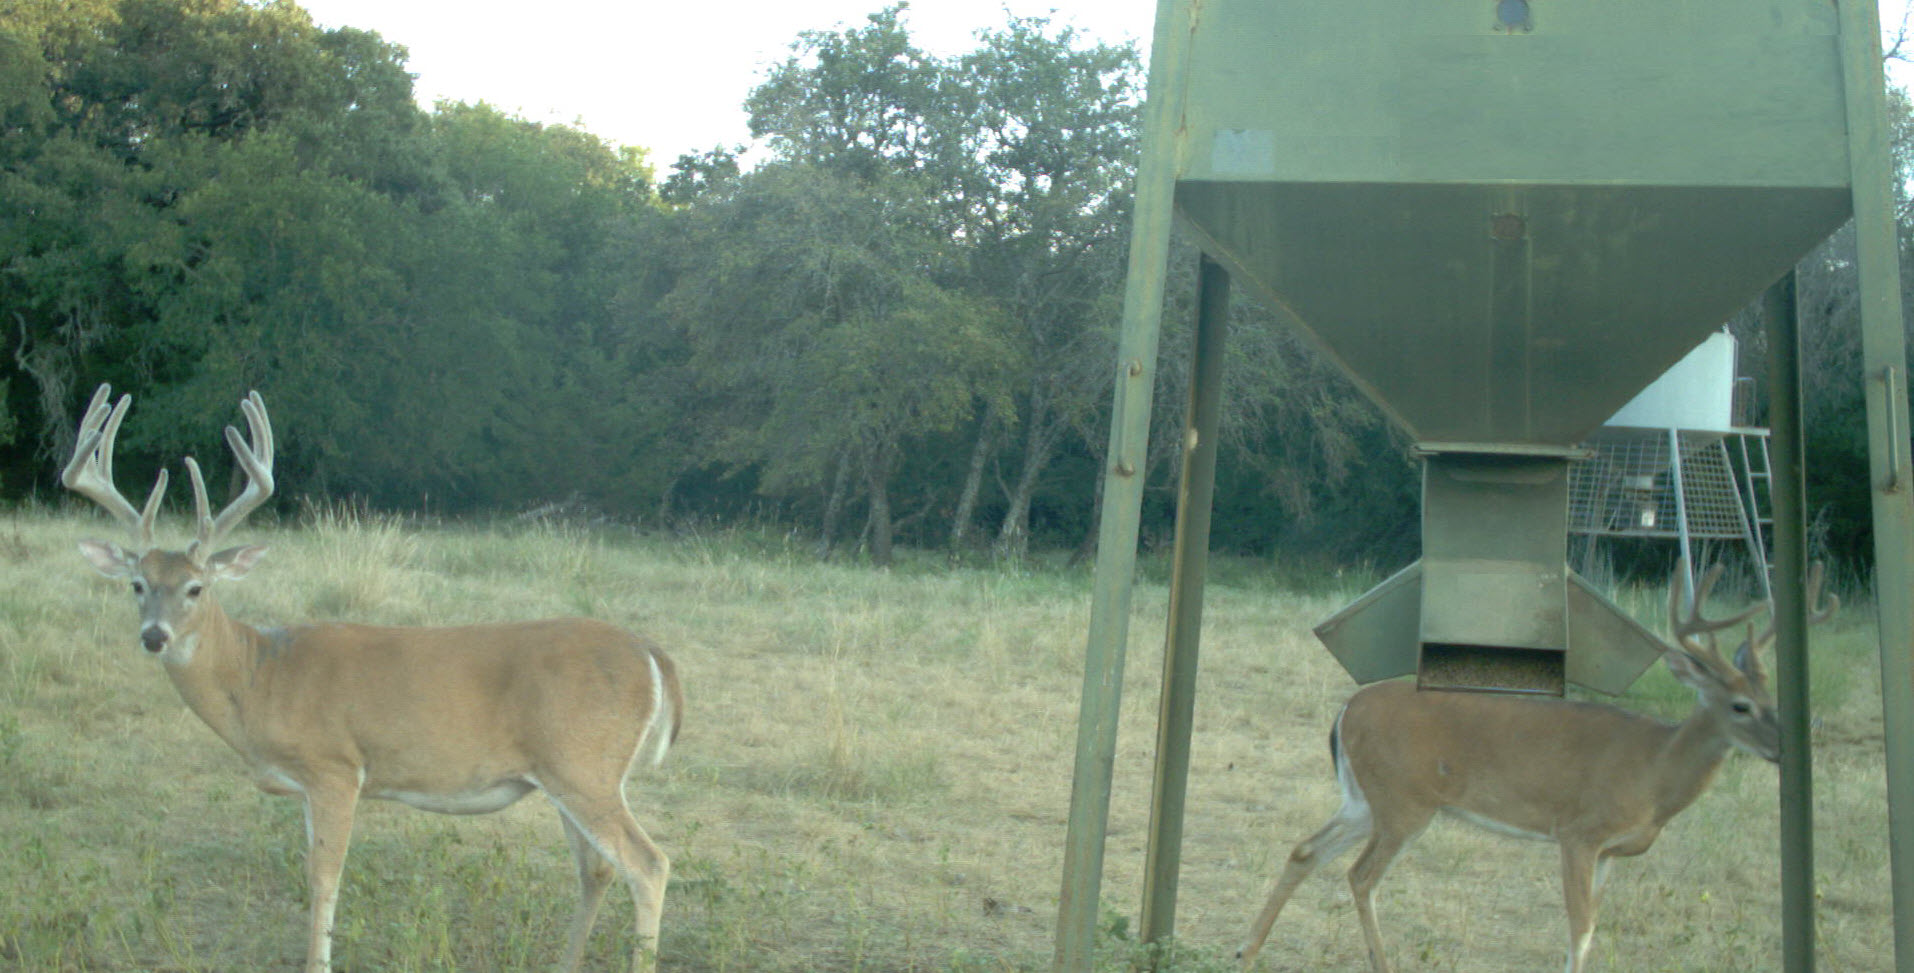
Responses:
[1685,627]
[1829,603]
[202,515]
[90,472]
[97,414]
[1820,605]
[254,406]
[256,459]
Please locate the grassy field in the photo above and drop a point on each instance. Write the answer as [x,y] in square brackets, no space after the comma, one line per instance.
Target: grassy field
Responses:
[873,775]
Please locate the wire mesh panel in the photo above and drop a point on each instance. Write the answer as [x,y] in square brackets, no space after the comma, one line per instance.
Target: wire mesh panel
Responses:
[1630,487]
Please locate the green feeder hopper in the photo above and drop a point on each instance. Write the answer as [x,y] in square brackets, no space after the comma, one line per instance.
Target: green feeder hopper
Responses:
[1503,224]
[1501,219]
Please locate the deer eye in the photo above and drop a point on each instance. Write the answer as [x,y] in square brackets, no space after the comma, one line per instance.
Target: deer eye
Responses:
[193,590]
[139,588]
[1741,707]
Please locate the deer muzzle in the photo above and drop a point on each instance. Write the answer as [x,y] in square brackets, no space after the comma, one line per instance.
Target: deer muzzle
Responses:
[154,638]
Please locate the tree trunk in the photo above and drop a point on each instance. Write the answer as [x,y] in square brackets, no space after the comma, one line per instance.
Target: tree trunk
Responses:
[54,369]
[1087,547]
[1013,537]
[834,505]
[666,499]
[878,480]
[987,432]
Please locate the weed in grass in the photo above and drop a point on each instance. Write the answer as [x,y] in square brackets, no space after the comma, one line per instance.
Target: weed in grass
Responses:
[14,545]
[56,915]
[564,556]
[32,780]
[1118,950]
[12,742]
[360,566]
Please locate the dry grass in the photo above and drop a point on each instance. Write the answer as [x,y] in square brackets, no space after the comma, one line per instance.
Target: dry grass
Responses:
[874,776]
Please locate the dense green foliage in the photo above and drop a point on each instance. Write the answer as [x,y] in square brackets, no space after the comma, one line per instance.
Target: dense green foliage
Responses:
[897,324]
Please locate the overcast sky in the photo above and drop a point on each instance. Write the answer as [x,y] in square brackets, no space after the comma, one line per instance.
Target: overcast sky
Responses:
[672,77]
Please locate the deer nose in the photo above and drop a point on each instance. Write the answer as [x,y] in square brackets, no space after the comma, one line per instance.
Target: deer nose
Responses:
[154,638]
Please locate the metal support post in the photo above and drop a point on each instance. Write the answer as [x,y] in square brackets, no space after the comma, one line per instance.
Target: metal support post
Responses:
[1177,710]
[1884,353]
[1681,519]
[1790,621]
[1124,470]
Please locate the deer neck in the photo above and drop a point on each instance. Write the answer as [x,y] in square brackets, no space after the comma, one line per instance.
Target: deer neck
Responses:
[217,663]
[1689,762]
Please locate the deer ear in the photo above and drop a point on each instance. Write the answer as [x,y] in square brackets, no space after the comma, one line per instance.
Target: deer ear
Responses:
[1749,662]
[1690,671]
[234,563]
[109,559]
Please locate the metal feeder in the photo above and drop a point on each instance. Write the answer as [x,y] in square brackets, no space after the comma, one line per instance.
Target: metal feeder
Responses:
[1502,220]
[1502,237]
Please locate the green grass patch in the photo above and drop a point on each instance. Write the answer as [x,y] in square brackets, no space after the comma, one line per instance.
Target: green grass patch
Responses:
[873,776]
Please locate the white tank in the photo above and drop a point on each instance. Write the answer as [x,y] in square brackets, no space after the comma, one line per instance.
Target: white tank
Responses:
[1696,393]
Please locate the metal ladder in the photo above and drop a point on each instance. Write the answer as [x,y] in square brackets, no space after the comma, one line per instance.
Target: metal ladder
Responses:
[1757,485]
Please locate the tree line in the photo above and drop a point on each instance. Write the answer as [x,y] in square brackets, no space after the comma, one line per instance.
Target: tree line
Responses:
[896,325]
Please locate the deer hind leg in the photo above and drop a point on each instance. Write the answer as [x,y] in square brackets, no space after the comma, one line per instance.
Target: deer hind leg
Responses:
[1385,843]
[607,826]
[1583,869]
[595,873]
[1350,825]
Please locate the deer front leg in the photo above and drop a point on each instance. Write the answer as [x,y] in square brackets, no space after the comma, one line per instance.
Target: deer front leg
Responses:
[329,810]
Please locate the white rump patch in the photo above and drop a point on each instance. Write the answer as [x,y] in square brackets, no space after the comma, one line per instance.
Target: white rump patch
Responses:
[656,740]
